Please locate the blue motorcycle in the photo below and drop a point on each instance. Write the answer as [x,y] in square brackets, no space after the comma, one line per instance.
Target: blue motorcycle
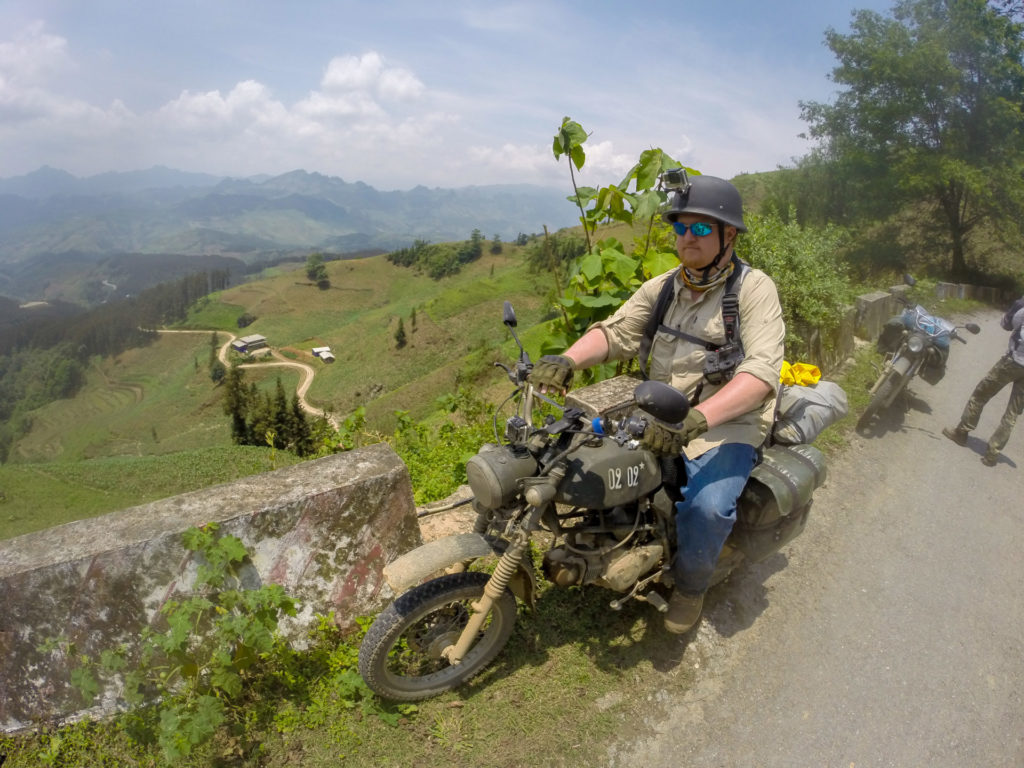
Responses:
[914,342]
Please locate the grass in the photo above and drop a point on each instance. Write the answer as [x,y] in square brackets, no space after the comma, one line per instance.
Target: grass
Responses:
[36,496]
[358,318]
[570,681]
[158,400]
[149,400]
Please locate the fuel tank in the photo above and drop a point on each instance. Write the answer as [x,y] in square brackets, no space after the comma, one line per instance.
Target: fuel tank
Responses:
[605,474]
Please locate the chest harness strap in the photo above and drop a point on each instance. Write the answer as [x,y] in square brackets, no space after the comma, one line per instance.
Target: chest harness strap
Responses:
[722,358]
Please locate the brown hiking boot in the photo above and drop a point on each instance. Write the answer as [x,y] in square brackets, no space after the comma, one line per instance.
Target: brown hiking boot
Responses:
[990,459]
[683,611]
[957,434]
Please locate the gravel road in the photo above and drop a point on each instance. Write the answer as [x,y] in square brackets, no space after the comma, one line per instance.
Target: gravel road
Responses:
[890,632]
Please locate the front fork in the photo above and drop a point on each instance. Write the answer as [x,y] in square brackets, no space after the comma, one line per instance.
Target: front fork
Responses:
[493,589]
[508,564]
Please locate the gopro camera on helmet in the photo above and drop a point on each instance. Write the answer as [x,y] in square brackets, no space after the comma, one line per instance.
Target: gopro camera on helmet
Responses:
[675,179]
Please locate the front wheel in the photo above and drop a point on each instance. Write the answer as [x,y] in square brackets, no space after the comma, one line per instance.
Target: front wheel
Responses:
[400,658]
[886,390]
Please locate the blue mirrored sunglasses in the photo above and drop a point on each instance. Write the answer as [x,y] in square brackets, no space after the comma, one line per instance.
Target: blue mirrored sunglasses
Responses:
[699,228]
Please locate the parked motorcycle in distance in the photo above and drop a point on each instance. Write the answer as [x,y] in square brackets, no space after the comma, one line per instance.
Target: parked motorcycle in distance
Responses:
[917,341]
[601,507]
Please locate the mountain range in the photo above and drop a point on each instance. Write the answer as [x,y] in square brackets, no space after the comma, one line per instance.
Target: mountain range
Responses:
[50,219]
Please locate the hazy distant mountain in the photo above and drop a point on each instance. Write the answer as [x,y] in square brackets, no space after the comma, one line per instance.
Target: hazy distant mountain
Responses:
[161,210]
[51,220]
[49,182]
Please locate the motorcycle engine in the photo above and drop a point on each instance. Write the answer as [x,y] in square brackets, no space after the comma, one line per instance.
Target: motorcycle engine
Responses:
[602,559]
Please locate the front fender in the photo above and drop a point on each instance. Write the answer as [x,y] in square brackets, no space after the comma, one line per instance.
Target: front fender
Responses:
[906,365]
[413,567]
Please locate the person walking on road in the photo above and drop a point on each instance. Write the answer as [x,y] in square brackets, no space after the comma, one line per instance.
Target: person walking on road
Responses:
[1009,369]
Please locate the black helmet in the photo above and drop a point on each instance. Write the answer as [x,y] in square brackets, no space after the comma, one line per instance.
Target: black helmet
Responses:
[709,196]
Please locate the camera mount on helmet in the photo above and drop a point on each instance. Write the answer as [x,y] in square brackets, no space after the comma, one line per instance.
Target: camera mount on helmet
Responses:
[702,195]
[676,180]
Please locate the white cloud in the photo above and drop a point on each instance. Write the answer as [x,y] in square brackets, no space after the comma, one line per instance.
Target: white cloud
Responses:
[27,65]
[511,162]
[365,116]
[399,84]
[212,112]
[322,106]
[34,56]
[603,162]
[486,114]
[367,74]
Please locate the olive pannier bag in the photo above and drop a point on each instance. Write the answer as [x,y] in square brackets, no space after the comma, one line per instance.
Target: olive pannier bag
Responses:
[776,501]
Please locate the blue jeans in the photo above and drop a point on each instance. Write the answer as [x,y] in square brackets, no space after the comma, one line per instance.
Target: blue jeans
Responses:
[705,516]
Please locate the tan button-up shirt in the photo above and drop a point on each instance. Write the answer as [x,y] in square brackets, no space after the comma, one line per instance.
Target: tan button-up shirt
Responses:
[681,363]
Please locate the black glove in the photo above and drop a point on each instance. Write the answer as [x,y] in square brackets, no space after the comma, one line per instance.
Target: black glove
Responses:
[664,439]
[552,372]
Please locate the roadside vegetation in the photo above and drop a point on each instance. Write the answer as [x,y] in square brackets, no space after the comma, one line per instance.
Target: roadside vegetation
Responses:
[933,189]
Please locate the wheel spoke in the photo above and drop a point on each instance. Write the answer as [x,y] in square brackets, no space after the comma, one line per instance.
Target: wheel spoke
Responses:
[402,654]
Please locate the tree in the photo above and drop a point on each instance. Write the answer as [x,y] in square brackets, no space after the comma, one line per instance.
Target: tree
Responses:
[282,418]
[471,250]
[931,109]
[217,372]
[302,435]
[214,359]
[316,271]
[235,402]
[496,246]
[400,338]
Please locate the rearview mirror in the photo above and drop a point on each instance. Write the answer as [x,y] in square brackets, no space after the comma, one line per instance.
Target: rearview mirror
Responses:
[973,328]
[509,315]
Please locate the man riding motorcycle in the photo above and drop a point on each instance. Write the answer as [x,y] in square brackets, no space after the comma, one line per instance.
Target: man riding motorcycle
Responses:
[718,337]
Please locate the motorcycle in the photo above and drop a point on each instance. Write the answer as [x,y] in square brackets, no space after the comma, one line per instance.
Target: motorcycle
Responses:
[914,342]
[603,505]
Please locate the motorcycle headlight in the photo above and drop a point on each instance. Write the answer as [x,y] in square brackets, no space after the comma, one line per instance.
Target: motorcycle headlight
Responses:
[915,344]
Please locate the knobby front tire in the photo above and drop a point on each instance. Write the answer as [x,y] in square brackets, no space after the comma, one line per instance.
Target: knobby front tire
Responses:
[400,657]
[882,394]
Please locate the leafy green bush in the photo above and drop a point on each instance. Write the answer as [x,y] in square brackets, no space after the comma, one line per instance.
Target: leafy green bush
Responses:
[436,456]
[185,680]
[812,281]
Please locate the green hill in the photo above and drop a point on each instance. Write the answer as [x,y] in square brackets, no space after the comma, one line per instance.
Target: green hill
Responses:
[151,410]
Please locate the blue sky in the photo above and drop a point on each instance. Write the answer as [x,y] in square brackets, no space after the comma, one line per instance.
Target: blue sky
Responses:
[396,94]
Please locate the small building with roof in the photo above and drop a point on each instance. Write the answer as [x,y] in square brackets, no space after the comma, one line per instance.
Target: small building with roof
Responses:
[324,353]
[247,344]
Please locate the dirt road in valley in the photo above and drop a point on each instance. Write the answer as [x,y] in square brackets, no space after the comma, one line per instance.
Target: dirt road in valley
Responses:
[280,360]
[889,633]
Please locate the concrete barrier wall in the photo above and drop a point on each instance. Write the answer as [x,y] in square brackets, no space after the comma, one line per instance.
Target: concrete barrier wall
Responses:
[322,529]
[995,296]
[828,350]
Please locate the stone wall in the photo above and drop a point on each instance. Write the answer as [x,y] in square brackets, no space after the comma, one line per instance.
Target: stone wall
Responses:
[995,296]
[322,529]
